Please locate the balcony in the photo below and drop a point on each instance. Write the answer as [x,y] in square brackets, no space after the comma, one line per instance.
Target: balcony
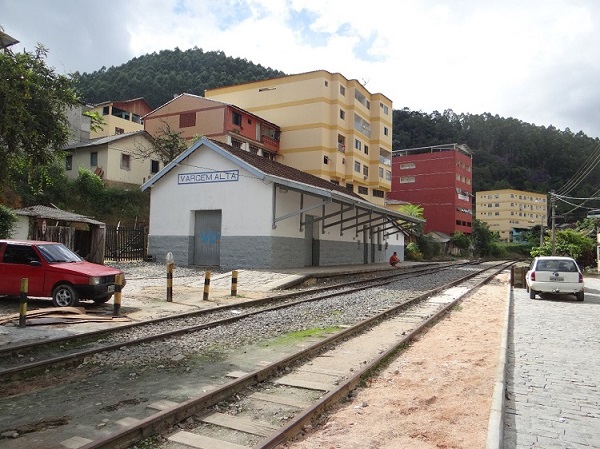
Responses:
[385,161]
[269,141]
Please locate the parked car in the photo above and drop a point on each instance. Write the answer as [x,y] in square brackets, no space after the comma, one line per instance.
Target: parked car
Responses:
[53,270]
[554,275]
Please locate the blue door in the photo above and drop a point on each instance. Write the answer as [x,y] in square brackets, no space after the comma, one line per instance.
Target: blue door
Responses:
[207,238]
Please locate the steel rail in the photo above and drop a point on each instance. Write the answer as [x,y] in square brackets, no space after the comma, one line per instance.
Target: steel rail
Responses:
[165,419]
[76,357]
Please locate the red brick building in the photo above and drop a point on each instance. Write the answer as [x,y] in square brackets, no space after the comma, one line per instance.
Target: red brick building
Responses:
[437,178]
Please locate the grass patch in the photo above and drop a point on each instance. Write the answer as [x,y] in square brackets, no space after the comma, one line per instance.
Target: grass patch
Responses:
[298,336]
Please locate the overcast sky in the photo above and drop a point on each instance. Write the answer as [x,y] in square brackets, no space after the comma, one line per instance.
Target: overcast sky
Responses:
[534,60]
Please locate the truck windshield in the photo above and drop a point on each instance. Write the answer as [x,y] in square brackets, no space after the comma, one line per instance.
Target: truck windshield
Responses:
[58,253]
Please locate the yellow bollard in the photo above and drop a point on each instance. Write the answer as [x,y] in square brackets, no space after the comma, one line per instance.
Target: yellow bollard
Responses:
[117,296]
[23,301]
[170,282]
[206,285]
[234,278]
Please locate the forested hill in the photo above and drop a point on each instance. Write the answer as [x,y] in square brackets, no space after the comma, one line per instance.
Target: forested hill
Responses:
[507,152]
[159,76]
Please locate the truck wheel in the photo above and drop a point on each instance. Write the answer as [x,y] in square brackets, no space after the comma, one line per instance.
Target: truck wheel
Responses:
[65,296]
[579,295]
[531,294]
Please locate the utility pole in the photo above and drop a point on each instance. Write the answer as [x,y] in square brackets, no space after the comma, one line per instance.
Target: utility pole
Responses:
[553,205]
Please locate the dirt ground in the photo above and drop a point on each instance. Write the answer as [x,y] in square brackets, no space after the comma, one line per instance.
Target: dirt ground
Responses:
[436,394]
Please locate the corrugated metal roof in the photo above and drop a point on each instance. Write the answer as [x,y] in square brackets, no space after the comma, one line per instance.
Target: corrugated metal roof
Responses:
[103,140]
[55,214]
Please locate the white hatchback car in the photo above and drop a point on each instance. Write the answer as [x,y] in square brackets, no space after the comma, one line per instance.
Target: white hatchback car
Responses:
[554,275]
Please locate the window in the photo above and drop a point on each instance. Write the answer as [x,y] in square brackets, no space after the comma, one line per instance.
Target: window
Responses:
[325,160]
[385,131]
[341,143]
[357,144]
[119,130]
[237,118]
[407,179]
[187,119]
[366,149]
[407,166]
[378,193]
[20,254]
[381,172]
[362,125]
[357,167]
[388,175]
[363,190]
[69,162]
[235,143]
[350,187]
[106,110]
[125,161]
[342,90]
[386,110]
[154,167]
[94,159]
[326,83]
[342,114]
[365,170]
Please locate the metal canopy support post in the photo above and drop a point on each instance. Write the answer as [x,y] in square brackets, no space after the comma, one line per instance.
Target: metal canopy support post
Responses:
[274,206]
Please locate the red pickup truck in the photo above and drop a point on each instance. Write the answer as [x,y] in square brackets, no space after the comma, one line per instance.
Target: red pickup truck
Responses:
[53,270]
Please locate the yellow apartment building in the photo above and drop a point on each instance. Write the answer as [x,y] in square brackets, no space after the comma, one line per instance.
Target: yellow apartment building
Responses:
[331,127]
[511,212]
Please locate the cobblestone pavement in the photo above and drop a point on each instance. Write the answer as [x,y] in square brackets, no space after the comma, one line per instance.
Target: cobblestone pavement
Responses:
[553,378]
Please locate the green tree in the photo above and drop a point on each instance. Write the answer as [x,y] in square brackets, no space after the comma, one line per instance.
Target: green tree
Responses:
[568,242]
[461,240]
[412,210]
[33,121]
[7,222]
[168,144]
[97,122]
[483,239]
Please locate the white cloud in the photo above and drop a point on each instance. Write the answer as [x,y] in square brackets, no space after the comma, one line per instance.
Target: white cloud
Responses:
[537,61]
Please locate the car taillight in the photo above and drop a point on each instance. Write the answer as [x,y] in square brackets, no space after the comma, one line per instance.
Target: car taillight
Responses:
[580,278]
[533,275]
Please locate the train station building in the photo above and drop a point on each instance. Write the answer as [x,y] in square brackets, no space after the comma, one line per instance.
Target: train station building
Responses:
[216,205]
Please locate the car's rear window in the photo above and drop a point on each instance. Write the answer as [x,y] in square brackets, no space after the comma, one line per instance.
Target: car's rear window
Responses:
[556,265]
[58,253]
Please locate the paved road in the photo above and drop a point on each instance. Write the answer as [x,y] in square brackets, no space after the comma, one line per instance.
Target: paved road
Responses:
[553,378]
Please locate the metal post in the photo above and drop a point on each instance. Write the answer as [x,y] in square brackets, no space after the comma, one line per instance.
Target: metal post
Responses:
[206,285]
[23,301]
[553,201]
[170,264]
[234,282]
[117,296]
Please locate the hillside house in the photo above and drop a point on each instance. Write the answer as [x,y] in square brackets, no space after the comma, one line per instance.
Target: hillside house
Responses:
[126,160]
[193,116]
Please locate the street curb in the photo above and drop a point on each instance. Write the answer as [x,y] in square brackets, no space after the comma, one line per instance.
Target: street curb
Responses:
[495,435]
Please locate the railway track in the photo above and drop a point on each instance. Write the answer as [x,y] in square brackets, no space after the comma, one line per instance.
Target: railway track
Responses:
[19,360]
[217,391]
